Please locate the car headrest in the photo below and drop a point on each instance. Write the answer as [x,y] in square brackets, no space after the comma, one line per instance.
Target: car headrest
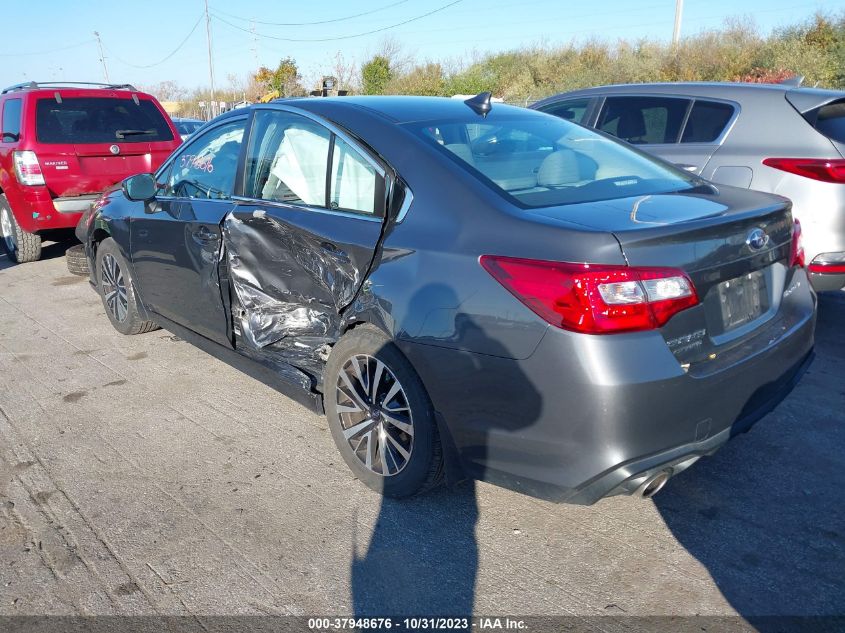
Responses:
[631,125]
[559,169]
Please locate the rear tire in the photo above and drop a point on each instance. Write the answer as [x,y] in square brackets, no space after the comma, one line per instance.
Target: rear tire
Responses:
[21,246]
[77,260]
[385,431]
[117,290]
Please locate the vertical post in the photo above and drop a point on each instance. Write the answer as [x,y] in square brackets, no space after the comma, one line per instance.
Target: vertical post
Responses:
[676,33]
[102,57]
[213,108]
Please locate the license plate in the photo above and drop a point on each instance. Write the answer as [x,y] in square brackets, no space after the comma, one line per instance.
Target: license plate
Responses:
[743,299]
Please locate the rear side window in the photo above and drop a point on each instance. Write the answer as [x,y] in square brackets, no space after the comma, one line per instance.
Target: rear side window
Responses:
[830,121]
[11,120]
[643,120]
[707,121]
[571,110]
[99,120]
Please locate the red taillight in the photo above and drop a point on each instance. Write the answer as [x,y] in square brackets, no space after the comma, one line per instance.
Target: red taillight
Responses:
[796,256]
[27,168]
[823,169]
[828,263]
[592,298]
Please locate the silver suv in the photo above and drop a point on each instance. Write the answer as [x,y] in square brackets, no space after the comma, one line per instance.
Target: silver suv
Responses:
[779,138]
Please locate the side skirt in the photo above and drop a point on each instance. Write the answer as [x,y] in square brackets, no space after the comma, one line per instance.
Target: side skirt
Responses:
[286,380]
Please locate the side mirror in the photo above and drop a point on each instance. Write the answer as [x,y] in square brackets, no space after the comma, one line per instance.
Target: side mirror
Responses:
[140,188]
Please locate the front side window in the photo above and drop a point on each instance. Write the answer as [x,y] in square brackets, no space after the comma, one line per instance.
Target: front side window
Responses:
[82,120]
[643,120]
[207,166]
[542,161]
[571,110]
[12,120]
[289,161]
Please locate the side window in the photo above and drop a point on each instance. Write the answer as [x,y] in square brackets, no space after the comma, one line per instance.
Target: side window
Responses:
[643,120]
[287,159]
[571,110]
[206,167]
[707,121]
[353,180]
[11,121]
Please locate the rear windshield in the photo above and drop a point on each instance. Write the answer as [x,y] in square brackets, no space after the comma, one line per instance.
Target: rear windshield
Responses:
[830,121]
[542,161]
[99,120]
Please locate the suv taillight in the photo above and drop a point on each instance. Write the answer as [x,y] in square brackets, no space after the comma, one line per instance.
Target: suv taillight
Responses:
[27,168]
[823,169]
[796,255]
[593,298]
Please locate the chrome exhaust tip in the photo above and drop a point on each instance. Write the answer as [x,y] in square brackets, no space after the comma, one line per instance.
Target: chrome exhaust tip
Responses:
[653,485]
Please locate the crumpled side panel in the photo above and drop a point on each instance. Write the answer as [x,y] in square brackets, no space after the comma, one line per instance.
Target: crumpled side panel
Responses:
[285,283]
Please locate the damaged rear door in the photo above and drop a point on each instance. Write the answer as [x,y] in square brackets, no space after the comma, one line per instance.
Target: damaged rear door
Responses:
[302,239]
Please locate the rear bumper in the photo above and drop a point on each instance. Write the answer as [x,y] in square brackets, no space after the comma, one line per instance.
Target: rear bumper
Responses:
[36,210]
[586,417]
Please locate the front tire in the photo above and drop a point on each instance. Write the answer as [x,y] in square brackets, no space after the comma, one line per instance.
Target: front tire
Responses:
[117,290]
[21,246]
[380,416]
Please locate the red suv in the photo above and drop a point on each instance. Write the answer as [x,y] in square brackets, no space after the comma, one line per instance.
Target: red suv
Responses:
[63,144]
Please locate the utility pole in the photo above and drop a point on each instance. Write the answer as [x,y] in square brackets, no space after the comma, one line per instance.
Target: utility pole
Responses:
[102,57]
[676,33]
[254,43]
[213,105]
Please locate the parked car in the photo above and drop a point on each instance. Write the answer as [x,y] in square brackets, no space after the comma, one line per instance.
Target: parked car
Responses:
[464,288]
[62,145]
[186,127]
[778,138]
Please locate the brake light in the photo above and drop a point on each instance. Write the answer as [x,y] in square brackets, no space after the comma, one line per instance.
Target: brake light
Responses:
[592,298]
[829,263]
[823,169]
[27,168]
[796,256]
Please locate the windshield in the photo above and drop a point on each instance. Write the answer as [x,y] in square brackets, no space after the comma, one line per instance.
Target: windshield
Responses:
[545,161]
[99,120]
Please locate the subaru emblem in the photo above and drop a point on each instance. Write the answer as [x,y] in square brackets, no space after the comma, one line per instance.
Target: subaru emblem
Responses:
[757,239]
[114,149]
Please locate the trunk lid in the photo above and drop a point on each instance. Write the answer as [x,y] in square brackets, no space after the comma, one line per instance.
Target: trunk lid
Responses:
[734,245]
[76,170]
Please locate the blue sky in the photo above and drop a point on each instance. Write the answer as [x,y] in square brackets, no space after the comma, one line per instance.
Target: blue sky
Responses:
[61,44]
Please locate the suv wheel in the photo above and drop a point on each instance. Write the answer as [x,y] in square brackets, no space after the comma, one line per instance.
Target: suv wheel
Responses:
[22,246]
[380,416]
[114,282]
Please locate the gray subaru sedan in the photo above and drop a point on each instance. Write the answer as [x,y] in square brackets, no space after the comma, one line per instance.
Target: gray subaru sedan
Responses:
[467,289]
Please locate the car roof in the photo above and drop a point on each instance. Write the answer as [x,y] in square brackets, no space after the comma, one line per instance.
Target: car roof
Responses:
[397,109]
[721,90]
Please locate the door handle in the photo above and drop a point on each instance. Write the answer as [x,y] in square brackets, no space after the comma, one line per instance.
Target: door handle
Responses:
[203,234]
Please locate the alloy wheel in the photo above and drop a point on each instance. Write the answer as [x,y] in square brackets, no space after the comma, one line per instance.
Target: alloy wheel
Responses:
[7,231]
[114,288]
[375,415]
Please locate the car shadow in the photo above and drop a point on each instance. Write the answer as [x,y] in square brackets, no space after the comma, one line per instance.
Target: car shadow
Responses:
[50,250]
[422,555]
[766,514]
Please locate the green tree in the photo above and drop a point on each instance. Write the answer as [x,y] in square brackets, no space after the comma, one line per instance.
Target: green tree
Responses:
[375,75]
[284,80]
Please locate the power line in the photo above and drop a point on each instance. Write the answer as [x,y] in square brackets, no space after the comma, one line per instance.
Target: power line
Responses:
[48,52]
[340,37]
[348,17]
[102,56]
[159,63]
